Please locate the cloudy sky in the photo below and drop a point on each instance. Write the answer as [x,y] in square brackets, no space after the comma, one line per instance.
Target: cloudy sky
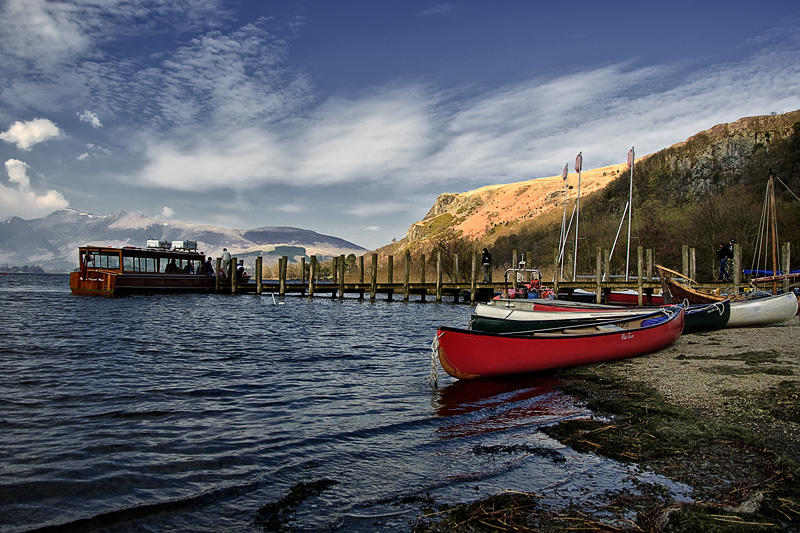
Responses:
[349,118]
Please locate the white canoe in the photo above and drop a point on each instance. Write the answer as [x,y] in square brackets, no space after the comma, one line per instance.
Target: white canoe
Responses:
[762,311]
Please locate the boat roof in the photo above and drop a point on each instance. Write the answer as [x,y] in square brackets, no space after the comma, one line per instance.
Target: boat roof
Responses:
[133,251]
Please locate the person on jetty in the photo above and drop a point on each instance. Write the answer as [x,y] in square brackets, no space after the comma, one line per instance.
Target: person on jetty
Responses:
[240,270]
[226,260]
[209,267]
[486,263]
[724,254]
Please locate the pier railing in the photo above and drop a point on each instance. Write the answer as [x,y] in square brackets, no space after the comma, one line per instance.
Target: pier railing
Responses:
[367,277]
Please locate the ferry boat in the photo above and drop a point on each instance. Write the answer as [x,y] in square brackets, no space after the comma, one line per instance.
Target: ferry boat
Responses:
[160,267]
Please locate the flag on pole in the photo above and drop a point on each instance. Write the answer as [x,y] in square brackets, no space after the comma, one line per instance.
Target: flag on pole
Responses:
[630,158]
[566,169]
[579,162]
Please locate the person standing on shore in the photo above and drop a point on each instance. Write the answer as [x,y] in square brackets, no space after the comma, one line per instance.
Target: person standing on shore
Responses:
[486,263]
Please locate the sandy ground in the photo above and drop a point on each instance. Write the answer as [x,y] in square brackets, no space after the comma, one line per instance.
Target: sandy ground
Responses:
[697,369]
[731,374]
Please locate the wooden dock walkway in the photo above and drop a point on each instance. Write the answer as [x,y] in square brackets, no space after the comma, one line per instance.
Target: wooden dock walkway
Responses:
[344,284]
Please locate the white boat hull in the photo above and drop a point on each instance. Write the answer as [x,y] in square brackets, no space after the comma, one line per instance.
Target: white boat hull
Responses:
[762,311]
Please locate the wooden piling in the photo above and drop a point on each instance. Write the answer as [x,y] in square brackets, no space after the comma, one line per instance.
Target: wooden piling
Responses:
[438,275]
[232,274]
[473,278]
[599,276]
[312,273]
[786,256]
[422,276]
[282,268]
[390,275]
[342,268]
[639,273]
[259,276]
[373,285]
[407,277]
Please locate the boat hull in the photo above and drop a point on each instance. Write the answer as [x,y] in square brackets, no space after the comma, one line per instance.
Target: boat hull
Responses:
[763,311]
[468,354]
[501,319]
[496,319]
[708,317]
[112,284]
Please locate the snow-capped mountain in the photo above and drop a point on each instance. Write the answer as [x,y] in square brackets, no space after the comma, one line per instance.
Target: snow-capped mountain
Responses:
[52,242]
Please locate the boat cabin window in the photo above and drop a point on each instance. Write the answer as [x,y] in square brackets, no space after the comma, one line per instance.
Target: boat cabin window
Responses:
[97,259]
[141,264]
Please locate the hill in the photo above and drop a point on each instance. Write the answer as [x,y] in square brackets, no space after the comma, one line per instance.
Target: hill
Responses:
[52,242]
[697,192]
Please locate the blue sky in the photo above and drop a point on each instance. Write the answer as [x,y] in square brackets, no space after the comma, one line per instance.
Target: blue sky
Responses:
[350,118]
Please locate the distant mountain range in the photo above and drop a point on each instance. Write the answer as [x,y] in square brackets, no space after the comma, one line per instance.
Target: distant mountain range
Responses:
[52,242]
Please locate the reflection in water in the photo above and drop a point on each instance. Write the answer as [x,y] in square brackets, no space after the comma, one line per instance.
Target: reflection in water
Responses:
[490,405]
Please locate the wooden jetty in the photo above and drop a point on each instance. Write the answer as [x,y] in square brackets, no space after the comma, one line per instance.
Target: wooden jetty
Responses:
[363,282]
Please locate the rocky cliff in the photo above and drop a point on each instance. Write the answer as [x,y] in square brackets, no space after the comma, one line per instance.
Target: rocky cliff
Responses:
[697,166]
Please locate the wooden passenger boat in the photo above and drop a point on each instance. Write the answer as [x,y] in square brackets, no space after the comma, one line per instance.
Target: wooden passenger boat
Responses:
[110,271]
[493,318]
[469,354]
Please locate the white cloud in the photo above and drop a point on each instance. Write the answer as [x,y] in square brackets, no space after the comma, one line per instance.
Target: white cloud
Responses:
[26,134]
[82,156]
[40,31]
[91,118]
[20,200]
[167,212]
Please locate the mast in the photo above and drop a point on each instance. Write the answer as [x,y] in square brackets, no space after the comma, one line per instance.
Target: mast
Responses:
[578,167]
[631,156]
[773,222]
[563,242]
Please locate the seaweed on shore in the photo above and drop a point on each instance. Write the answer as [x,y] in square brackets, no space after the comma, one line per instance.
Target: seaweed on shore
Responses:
[742,469]
[276,516]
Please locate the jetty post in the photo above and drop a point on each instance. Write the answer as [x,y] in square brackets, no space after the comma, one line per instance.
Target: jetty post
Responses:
[232,274]
[373,284]
[312,273]
[218,275]
[472,283]
[438,275]
[259,276]
[407,276]
[556,271]
[786,255]
[598,291]
[422,277]
[390,278]
[639,273]
[737,267]
[282,267]
[685,260]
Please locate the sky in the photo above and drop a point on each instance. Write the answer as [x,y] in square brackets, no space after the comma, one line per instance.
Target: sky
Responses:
[350,118]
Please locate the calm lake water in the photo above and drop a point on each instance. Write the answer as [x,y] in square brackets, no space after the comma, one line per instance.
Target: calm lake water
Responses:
[204,412]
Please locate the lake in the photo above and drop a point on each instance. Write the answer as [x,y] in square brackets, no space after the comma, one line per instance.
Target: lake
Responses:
[251,413]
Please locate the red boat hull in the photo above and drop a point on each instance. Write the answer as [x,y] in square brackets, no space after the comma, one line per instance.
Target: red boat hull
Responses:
[468,354]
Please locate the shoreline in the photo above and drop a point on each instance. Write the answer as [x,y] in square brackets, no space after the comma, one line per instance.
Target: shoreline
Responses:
[718,411]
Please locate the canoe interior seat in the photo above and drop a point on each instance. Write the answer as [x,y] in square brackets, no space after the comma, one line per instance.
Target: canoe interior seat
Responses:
[610,327]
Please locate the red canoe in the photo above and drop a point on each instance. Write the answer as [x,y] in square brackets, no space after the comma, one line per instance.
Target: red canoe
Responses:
[469,354]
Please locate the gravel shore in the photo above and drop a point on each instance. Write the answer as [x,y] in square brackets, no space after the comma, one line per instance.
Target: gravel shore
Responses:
[723,374]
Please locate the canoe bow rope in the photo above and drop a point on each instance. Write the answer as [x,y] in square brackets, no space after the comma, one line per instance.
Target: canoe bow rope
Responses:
[434,377]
